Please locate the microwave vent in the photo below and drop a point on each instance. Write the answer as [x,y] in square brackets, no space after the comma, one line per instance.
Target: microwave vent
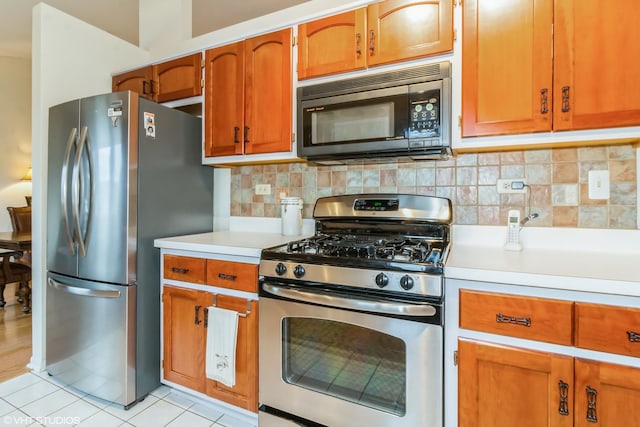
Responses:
[403,76]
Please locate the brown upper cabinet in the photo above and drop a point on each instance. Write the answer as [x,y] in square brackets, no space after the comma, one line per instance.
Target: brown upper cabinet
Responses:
[248,96]
[543,65]
[176,79]
[381,33]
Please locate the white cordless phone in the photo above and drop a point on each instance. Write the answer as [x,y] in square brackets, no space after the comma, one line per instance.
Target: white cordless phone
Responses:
[513,231]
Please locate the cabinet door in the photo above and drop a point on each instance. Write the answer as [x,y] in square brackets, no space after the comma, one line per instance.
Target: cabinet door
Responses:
[268,93]
[245,392]
[332,45]
[139,81]
[224,95]
[179,78]
[607,395]
[506,67]
[597,59]
[398,30]
[504,386]
[184,336]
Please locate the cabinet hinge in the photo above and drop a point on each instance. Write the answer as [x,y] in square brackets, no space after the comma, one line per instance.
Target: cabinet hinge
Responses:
[202,83]
[294,40]
[162,363]
[202,63]
[455,34]
[455,358]
[457,3]
[459,121]
[293,137]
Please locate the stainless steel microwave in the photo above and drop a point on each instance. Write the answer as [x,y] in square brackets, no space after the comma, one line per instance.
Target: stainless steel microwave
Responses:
[403,113]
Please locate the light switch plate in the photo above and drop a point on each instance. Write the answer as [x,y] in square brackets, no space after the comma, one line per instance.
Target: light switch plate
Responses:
[599,184]
[263,189]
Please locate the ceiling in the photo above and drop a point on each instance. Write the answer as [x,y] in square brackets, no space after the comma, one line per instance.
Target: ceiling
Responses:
[120,17]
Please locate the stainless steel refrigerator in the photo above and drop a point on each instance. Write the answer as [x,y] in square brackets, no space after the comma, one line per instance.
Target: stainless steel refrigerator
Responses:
[122,171]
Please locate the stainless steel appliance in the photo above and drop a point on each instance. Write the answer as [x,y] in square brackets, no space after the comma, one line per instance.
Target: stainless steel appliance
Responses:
[403,113]
[121,171]
[351,319]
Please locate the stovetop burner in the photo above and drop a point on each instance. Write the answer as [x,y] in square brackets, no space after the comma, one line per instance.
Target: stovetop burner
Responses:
[383,242]
[399,249]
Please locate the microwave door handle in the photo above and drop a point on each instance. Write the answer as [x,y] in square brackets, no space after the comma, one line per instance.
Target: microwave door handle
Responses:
[64,188]
[382,307]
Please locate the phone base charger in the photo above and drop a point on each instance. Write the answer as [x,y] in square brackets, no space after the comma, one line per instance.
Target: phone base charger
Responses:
[512,246]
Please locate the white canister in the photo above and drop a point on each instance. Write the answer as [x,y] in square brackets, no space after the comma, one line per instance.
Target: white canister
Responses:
[291,216]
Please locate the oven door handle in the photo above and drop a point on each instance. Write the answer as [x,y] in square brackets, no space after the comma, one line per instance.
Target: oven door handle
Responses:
[382,307]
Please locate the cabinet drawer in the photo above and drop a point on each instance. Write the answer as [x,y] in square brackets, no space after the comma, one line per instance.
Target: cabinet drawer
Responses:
[184,269]
[608,328]
[233,275]
[530,318]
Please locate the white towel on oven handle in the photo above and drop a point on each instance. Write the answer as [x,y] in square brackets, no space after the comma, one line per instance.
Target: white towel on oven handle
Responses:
[222,335]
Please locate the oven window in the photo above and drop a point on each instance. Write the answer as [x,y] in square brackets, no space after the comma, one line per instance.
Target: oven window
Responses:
[345,124]
[345,361]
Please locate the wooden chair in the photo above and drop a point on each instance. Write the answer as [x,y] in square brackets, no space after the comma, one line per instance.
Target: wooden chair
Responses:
[21,223]
[13,272]
[20,219]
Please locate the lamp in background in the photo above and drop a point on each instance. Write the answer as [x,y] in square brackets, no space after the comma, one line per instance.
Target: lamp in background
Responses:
[27,175]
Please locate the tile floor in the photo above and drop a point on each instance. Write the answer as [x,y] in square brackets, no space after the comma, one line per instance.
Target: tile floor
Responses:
[38,400]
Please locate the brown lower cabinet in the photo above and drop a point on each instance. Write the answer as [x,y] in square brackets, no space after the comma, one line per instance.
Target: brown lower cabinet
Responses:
[505,386]
[184,345]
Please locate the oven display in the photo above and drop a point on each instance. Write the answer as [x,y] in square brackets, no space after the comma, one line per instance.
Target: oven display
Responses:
[376,205]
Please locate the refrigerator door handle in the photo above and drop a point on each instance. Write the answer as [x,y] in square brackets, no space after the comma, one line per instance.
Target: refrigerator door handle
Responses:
[76,187]
[82,291]
[64,188]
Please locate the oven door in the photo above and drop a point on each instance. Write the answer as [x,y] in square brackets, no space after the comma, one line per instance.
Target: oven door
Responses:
[329,359]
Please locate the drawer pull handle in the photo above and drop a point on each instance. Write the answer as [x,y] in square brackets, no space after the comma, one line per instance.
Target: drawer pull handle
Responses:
[592,396]
[563,409]
[633,336]
[223,276]
[180,270]
[523,321]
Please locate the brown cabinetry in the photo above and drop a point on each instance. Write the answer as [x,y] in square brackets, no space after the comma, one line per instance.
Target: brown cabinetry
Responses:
[167,81]
[608,328]
[185,324]
[505,386]
[184,336]
[531,318]
[498,384]
[245,391]
[548,65]
[382,33]
[248,96]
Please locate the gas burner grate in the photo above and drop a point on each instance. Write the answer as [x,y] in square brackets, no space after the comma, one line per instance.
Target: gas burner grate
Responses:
[392,249]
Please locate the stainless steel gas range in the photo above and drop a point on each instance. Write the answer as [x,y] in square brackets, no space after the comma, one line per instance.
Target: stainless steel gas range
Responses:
[351,319]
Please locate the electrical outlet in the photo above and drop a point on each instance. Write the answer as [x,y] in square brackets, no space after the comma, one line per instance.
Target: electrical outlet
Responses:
[599,184]
[512,185]
[263,189]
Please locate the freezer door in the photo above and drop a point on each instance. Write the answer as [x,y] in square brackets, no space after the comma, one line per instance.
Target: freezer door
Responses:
[91,337]
[105,182]
[63,136]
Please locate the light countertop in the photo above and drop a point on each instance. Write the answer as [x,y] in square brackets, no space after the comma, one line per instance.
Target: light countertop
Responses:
[587,260]
[603,261]
[233,243]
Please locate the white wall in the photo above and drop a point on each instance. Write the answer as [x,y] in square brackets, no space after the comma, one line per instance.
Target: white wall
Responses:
[15,134]
[71,59]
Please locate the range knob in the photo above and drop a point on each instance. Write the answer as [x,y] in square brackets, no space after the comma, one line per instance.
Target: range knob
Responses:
[298,271]
[406,282]
[281,269]
[382,280]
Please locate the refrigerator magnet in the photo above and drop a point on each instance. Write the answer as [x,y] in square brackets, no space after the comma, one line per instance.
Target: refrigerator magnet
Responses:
[150,124]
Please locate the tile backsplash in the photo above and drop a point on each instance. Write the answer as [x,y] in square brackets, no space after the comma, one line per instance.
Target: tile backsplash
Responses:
[557,182]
